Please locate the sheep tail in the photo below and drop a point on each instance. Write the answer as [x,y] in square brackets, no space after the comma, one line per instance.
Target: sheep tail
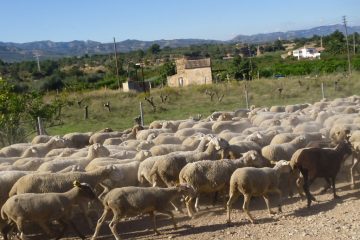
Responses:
[3,214]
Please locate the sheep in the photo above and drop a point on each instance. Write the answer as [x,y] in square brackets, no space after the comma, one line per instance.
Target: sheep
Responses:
[339,132]
[144,134]
[277,109]
[40,139]
[236,149]
[237,126]
[167,168]
[283,138]
[61,152]
[78,140]
[7,180]
[251,181]
[113,141]
[184,133]
[60,182]
[212,176]
[100,137]
[43,208]
[14,150]
[188,145]
[262,138]
[307,127]
[296,107]
[166,139]
[146,165]
[31,165]
[320,162]
[95,151]
[132,201]
[283,151]
[104,161]
[41,149]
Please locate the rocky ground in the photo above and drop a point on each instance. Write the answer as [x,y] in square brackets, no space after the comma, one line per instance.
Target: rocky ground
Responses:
[326,219]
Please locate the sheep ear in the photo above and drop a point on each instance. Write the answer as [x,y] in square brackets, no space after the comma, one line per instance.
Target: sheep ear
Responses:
[76,184]
[146,153]
[259,135]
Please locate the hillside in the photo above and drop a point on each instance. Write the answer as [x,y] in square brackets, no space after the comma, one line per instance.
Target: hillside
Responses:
[10,52]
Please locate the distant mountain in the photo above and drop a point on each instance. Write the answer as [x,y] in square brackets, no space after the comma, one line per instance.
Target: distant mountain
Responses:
[289,35]
[49,50]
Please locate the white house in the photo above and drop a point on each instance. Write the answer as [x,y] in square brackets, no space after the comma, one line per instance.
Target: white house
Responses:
[306,52]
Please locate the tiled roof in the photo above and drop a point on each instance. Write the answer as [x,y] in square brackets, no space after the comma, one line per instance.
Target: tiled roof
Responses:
[201,63]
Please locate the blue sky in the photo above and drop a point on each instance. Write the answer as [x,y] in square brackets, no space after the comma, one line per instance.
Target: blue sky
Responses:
[101,20]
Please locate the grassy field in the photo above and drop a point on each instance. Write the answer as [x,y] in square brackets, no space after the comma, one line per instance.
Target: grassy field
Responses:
[185,102]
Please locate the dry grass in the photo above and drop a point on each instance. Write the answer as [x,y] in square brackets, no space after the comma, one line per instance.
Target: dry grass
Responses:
[185,102]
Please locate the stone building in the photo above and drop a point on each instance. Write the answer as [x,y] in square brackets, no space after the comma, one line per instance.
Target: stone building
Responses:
[191,72]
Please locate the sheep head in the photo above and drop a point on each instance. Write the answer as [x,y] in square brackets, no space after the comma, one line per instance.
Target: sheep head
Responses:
[98,150]
[283,166]
[253,159]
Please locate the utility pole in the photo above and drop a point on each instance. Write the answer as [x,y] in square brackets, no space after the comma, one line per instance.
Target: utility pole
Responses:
[116,64]
[347,45]
[251,68]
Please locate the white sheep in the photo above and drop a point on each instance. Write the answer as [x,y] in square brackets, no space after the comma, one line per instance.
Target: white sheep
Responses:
[208,176]
[251,181]
[14,150]
[283,151]
[42,208]
[60,182]
[78,140]
[95,151]
[167,168]
[133,201]
[41,149]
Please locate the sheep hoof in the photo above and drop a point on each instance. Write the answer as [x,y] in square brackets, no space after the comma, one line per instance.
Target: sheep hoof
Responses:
[336,196]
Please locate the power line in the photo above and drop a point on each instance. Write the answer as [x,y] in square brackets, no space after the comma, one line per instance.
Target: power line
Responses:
[347,44]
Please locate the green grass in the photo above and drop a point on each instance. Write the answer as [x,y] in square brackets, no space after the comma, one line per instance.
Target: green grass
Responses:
[190,101]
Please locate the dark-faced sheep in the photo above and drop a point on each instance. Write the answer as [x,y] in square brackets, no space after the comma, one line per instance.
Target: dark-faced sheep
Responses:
[320,162]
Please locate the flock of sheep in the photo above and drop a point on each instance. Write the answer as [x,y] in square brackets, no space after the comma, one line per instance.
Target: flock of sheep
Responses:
[158,168]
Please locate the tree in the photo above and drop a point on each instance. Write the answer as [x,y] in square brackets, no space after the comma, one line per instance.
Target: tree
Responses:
[166,70]
[19,112]
[155,49]
[335,43]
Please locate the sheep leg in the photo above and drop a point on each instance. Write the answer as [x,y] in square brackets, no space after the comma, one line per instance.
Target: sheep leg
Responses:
[100,222]
[72,224]
[215,198]
[247,198]
[152,215]
[45,228]
[232,198]
[113,224]
[353,167]
[306,187]
[84,207]
[189,205]
[328,185]
[197,203]
[267,201]
[171,215]
[20,227]
[333,187]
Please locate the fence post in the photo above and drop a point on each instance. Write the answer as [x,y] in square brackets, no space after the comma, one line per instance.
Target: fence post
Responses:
[322,90]
[141,114]
[86,113]
[40,126]
[246,97]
